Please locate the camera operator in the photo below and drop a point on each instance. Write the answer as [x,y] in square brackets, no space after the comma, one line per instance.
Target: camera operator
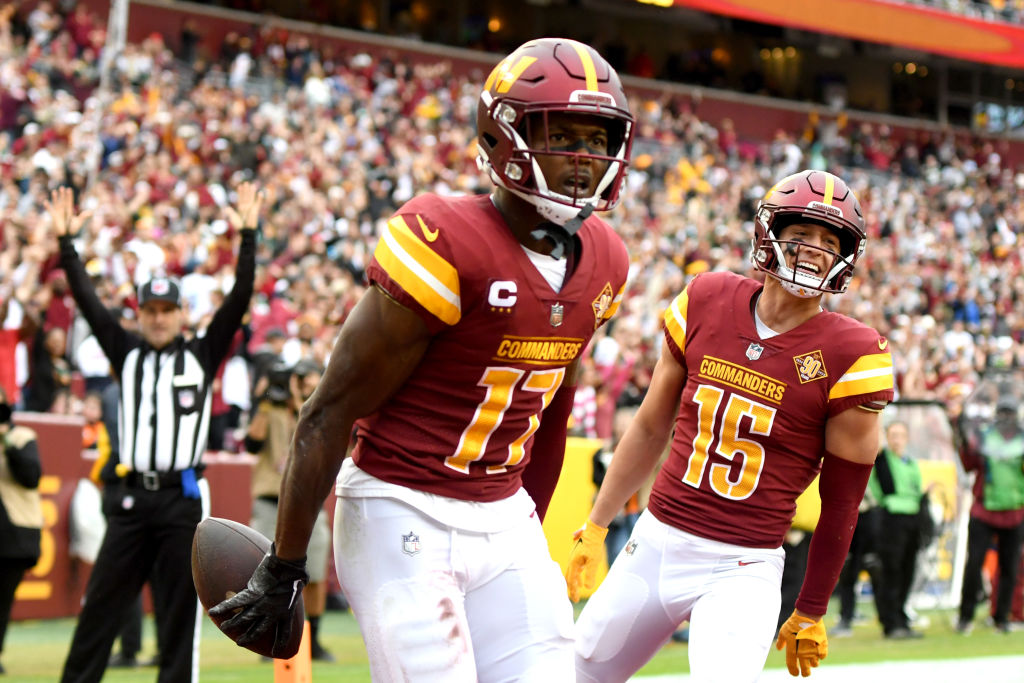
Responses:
[995,453]
[21,513]
[282,391]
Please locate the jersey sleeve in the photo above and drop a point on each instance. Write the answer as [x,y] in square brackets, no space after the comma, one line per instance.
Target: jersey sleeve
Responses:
[868,381]
[674,324]
[414,264]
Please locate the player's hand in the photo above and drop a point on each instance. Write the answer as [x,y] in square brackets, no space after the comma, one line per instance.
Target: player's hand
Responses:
[61,208]
[266,603]
[249,202]
[805,642]
[581,574]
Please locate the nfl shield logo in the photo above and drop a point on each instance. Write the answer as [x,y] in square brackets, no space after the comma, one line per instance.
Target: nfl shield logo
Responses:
[187,399]
[410,543]
[556,314]
[754,351]
[161,287]
[630,547]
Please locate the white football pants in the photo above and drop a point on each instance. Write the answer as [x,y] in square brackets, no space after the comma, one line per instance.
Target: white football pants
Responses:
[435,603]
[664,576]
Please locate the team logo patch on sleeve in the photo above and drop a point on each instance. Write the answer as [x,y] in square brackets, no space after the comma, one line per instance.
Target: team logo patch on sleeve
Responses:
[410,543]
[602,304]
[810,366]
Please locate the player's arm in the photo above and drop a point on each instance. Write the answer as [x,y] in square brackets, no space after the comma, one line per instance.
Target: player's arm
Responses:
[645,439]
[851,444]
[540,476]
[380,345]
[378,348]
[634,459]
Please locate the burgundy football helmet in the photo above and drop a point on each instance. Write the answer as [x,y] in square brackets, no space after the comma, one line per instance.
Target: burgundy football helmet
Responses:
[543,76]
[809,197]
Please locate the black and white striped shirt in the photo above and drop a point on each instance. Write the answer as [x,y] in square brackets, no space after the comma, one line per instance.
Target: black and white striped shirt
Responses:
[165,394]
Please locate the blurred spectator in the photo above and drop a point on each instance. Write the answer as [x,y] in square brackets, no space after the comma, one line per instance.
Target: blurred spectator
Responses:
[16,327]
[90,359]
[94,431]
[51,372]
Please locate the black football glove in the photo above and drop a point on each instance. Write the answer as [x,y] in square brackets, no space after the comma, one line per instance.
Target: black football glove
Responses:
[266,604]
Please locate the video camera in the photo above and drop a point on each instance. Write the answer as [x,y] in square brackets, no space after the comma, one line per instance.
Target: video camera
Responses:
[279,377]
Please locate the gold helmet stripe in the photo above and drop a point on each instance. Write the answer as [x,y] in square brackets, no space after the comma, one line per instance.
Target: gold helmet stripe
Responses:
[506,75]
[588,64]
[830,188]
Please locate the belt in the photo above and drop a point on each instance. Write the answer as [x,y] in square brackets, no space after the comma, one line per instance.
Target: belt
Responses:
[154,481]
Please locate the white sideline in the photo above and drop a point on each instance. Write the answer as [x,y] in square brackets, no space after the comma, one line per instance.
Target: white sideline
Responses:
[1008,669]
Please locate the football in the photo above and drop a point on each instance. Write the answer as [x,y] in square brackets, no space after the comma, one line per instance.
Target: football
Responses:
[224,556]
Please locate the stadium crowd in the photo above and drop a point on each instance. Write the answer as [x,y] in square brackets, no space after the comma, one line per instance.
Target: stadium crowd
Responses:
[338,139]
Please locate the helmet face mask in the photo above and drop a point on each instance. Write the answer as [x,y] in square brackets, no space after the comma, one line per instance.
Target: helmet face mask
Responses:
[541,78]
[813,197]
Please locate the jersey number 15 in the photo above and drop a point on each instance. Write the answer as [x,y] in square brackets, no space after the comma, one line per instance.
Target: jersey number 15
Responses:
[728,443]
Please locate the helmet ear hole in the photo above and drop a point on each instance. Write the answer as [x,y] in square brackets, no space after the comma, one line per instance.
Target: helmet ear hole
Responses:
[490,142]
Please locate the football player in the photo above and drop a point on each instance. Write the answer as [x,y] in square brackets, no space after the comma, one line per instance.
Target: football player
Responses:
[763,389]
[456,373]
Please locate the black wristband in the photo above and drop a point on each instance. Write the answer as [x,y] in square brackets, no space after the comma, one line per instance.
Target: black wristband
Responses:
[286,569]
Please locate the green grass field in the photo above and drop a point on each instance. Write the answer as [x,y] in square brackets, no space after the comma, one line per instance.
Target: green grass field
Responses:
[35,650]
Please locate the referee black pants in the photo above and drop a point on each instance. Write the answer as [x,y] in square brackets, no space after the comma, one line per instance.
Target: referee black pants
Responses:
[149,536]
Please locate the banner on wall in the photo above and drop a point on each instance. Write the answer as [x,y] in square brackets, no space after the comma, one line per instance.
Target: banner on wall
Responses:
[889,23]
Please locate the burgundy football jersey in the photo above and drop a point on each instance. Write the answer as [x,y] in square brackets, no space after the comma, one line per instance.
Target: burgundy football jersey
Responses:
[462,424]
[750,432]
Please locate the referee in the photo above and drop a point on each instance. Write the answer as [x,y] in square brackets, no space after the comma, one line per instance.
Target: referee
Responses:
[164,417]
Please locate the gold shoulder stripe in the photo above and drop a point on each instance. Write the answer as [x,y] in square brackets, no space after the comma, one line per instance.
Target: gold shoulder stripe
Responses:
[615,303]
[420,271]
[675,319]
[870,373]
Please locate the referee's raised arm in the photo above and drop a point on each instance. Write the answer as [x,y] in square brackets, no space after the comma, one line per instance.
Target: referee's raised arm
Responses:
[113,339]
[215,343]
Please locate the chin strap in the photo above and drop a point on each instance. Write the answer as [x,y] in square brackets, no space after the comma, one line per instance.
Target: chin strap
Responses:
[561,235]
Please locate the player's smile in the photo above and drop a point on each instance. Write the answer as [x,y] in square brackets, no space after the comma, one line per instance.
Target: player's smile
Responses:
[810,248]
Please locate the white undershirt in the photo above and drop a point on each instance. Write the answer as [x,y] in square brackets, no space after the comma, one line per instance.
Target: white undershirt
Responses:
[552,270]
[763,331]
